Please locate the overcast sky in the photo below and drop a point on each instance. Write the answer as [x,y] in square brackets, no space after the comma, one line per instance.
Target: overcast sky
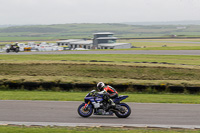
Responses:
[96,11]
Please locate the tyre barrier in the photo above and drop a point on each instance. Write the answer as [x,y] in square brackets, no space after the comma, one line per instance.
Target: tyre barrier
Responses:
[89,86]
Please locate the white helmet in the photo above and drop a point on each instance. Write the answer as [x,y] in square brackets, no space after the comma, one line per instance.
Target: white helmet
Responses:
[100,86]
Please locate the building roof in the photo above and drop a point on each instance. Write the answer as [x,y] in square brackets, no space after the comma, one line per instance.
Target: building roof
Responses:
[111,44]
[107,33]
[103,38]
[82,42]
[69,40]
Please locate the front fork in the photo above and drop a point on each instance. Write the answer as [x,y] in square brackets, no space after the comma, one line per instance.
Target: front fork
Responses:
[86,106]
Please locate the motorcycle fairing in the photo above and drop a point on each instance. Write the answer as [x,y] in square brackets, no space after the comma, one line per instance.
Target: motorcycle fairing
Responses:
[120,98]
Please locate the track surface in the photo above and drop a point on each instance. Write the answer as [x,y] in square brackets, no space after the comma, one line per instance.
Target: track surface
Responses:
[66,112]
[154,52]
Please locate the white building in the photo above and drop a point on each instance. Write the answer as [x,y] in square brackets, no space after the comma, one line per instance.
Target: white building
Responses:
[101,40]
[81,44]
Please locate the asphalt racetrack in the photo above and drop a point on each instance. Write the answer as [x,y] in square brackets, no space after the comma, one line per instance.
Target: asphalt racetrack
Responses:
[154,52]
[66,112]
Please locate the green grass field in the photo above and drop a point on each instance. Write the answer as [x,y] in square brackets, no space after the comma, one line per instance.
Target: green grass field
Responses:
[112,58]
[164,44]
[79,96]
[153,69]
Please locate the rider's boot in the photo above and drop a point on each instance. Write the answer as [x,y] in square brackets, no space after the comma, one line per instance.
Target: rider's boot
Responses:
[111,103]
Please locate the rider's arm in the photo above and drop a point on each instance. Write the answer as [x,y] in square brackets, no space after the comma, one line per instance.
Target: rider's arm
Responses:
[102,92]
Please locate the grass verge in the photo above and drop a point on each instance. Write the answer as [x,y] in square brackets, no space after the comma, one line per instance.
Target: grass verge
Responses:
[79,96]
[100,71]
[23,129]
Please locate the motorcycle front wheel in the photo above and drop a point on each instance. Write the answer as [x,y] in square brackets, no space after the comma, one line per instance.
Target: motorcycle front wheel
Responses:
[17,50]
[85,113]
[123,114]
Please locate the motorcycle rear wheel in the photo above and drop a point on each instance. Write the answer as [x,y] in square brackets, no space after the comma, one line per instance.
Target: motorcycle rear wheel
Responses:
[127,111]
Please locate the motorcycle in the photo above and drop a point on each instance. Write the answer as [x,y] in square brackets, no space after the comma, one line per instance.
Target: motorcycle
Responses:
[94,102]
[13,48]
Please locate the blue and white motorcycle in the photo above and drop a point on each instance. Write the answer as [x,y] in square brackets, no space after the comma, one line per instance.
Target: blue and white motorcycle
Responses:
[94,102]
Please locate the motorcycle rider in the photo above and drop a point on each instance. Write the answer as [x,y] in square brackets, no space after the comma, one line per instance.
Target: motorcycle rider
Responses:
[15,45]
[108,92]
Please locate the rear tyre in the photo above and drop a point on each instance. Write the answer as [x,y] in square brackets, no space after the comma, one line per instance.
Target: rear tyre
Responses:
[123,114]
[85,113]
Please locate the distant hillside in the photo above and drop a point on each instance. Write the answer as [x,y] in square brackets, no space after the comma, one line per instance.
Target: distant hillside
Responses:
[67,31]
[194,22]
[3,26]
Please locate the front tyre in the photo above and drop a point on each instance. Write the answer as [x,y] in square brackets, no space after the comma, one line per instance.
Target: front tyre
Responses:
[17,50]
[85,113]
[126,113]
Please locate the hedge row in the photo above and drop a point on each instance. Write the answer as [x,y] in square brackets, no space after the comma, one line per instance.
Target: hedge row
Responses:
[52,86]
